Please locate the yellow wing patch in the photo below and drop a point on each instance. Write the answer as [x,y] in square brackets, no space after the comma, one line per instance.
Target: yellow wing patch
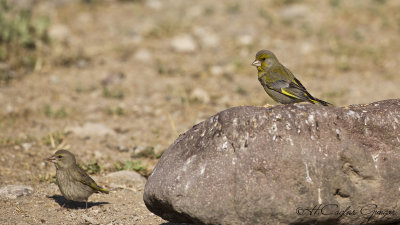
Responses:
[287,93]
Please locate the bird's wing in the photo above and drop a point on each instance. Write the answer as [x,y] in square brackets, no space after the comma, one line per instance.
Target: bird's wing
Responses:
[295,87]
[289,89]
[296,83]
[82,177]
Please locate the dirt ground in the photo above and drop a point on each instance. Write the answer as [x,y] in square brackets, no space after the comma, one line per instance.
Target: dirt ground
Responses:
[145,71]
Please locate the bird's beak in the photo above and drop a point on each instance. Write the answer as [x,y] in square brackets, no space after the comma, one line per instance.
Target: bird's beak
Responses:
[52,159]
[256,63]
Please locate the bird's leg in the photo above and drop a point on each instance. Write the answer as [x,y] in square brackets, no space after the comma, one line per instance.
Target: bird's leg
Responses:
[62,206]
[86,205]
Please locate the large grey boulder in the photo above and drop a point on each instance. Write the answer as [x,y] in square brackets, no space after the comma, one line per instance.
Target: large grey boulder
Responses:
[287,164]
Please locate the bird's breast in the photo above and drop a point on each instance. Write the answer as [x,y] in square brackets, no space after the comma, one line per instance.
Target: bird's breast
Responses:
[71,188]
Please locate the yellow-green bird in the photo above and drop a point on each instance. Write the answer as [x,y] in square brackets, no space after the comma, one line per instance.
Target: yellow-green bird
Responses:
[73,181]
[279,83]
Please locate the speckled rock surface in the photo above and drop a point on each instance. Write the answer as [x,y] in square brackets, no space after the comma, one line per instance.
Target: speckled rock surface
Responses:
[288,164]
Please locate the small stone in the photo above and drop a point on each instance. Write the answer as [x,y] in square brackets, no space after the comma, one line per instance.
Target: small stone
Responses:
[306,48]
[15,191]
[26,146]
[245,39]
[9,108]
[54,79]
[95,211]
[82,63]
[91,220]
[183,43]
[294,12]
[122,148]
[200,94]
[143,55]
[207,38]
[125,178]
[113,78]
[91,129]
[216,70]
[154,4]
[194,11]
[98,154]
[59,32]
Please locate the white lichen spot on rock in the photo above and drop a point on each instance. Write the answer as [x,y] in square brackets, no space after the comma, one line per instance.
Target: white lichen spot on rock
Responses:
[375,158]
[278,116]
[290,141]
[254,122]
[214,118]
[311,119]
[288,126]
[308,178]
[225,144]
[366,120]
[274,127]
[353,114]
[204,133]
[188,161]
[337,132]
[234,122]
[203,168]
[325,114]
[319,196]
[187,186]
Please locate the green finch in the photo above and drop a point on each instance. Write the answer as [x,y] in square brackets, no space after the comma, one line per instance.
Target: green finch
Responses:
[73,181]
[279,83]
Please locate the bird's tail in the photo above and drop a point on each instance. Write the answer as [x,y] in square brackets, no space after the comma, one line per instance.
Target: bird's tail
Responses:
[104,190]
[319,101]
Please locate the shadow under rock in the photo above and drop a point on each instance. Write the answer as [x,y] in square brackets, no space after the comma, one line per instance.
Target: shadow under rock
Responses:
[73,204]
[169,223]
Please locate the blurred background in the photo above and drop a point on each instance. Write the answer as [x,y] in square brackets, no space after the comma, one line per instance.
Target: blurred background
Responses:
[116,81]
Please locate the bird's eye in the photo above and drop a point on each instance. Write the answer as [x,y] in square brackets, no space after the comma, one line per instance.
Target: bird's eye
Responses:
[59,156]
[263,58]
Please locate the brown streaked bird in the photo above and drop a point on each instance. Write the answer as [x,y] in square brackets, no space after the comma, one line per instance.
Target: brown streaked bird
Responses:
[73,181]
[279,83]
